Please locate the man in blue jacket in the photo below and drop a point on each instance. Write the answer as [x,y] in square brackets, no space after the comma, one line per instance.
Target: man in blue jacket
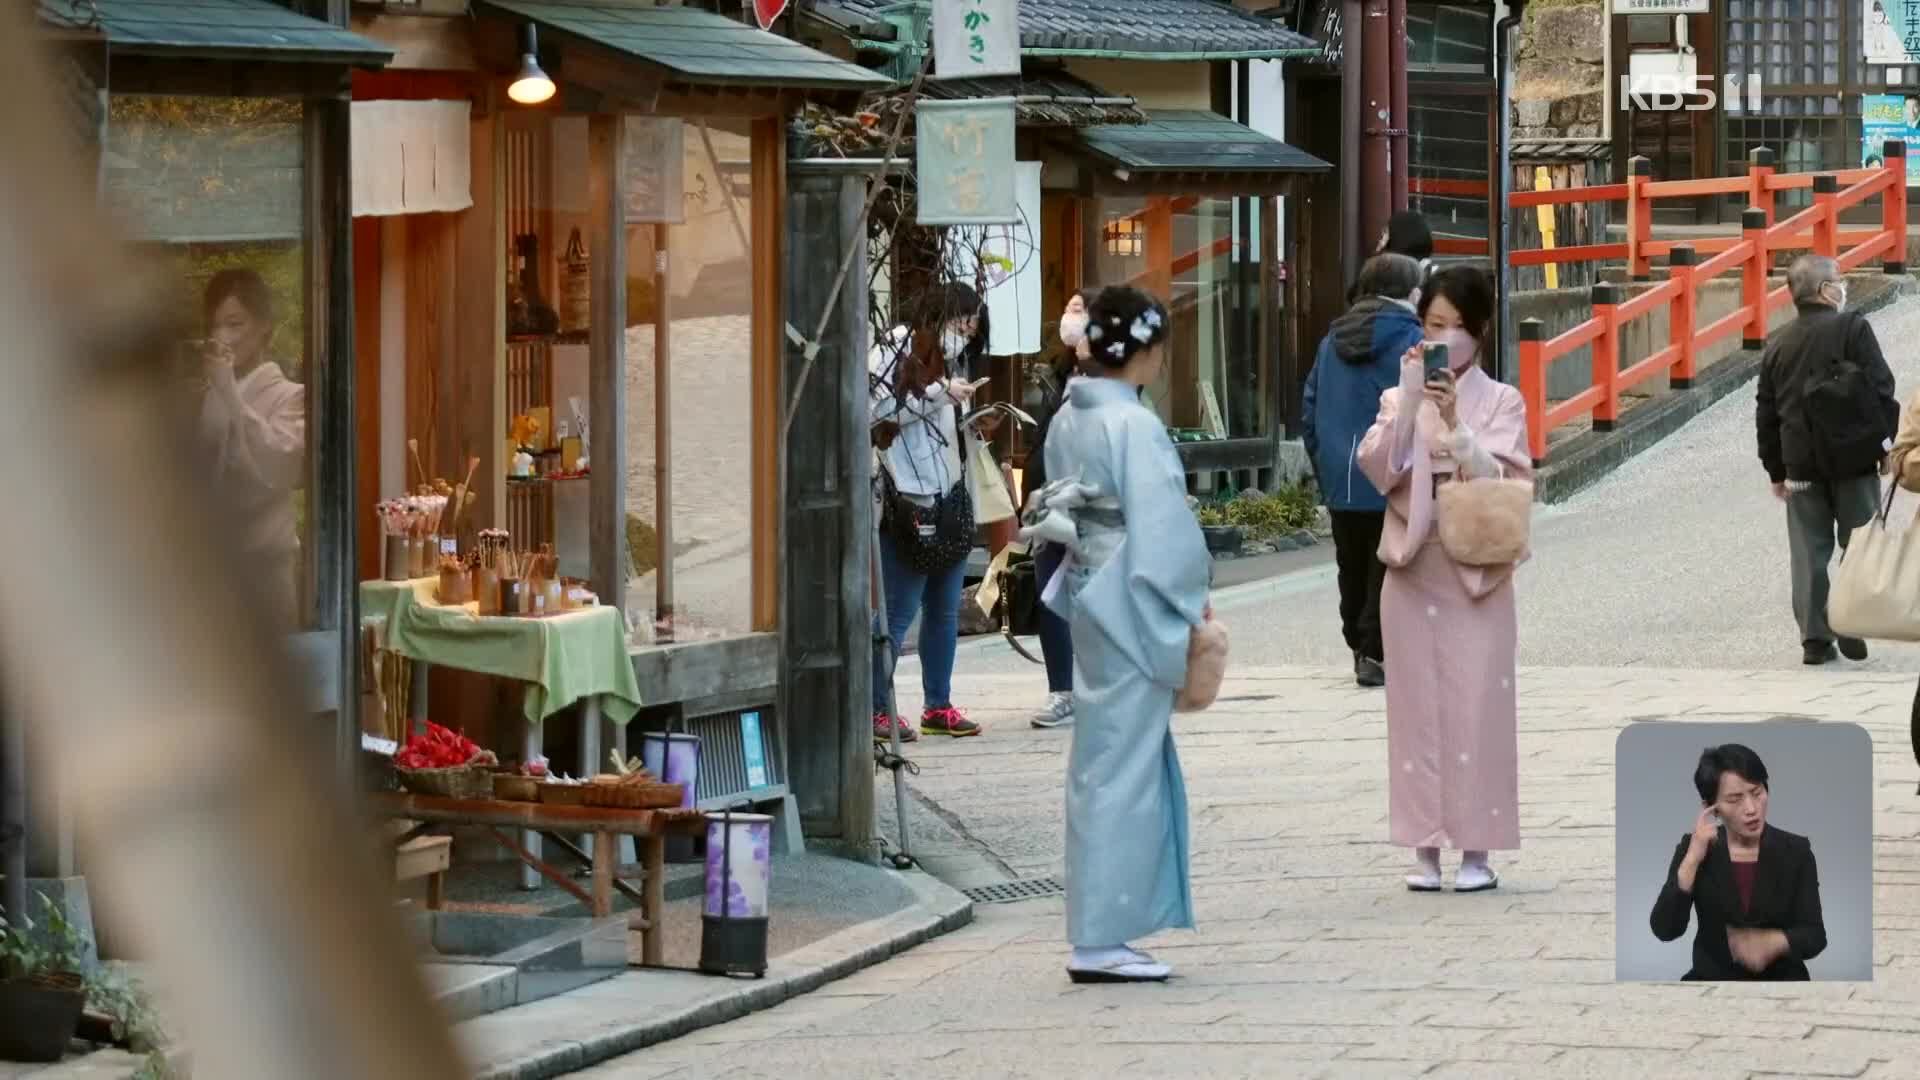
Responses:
[1357,361]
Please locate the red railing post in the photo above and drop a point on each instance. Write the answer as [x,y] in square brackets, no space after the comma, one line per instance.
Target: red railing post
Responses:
[1639,218]
[1753,277]
[1681,313]
[1826,224]
[1893,205]
[1760,170]
[1607,297]
[1533,387]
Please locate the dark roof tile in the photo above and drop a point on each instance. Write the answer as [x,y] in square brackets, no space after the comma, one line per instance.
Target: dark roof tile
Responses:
[1177,27]
[213,29]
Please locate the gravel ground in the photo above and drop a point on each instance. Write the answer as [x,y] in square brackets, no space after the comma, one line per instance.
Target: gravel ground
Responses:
[1677,559]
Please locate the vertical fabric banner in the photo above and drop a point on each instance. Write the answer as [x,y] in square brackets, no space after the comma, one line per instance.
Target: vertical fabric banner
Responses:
[964,162]
[972,38]
[1010,275]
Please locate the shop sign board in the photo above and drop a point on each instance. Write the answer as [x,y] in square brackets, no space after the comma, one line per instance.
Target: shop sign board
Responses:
[974,38]
[1661,7]
[964,162]
[1890,118]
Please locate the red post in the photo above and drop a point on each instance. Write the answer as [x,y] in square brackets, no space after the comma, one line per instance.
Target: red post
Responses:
[1826,226]
[1893,205]
[1760,170]
[1533,387]
[1607,297]
[1753,277]
[1639,218]
[1682,313]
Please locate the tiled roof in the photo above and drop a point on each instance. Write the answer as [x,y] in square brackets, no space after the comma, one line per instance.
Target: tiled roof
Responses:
[1180,140]
[1169,29]
[698,46]
[212,29]
[1045,98]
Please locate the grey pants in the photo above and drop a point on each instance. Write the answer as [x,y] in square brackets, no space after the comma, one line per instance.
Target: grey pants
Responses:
[1819,518]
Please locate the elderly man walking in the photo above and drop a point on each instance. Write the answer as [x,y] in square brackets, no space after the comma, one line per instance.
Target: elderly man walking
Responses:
[1826,417]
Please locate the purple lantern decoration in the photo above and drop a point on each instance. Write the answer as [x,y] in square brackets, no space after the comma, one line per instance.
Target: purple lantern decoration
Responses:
[733,931]
[674,757]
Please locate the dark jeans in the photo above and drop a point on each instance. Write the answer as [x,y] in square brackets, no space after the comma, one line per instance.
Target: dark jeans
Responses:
[1056,640]
[1356,543]
[935,598]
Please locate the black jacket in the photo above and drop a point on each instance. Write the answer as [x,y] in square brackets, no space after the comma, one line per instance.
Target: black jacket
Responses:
[1786,896]
[1819,337]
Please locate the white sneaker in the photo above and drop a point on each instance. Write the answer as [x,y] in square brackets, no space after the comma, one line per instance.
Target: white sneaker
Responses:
[1058,713]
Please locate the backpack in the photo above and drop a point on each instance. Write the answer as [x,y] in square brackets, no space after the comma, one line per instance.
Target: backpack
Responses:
[1846,419]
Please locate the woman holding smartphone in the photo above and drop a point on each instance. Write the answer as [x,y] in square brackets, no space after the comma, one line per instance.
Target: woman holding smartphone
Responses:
[1451,734]
[1755,887]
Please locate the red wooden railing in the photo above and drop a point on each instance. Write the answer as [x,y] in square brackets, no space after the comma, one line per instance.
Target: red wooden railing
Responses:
[1816,228]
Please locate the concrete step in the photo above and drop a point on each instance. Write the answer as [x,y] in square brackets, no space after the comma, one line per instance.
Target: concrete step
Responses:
[465,991]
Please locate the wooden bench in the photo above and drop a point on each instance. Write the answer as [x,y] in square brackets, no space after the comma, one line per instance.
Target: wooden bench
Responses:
[425,857]
[649,828]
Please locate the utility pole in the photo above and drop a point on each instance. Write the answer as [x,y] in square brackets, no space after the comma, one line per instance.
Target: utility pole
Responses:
[1352,119]
[1376,151]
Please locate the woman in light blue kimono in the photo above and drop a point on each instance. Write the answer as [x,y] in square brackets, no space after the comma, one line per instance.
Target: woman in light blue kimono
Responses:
[1133,586]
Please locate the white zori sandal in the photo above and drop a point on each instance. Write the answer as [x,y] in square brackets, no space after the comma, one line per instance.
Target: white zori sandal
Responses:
[1116,965]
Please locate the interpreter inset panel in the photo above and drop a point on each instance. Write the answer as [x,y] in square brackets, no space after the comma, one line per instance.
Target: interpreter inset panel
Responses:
[1743,852]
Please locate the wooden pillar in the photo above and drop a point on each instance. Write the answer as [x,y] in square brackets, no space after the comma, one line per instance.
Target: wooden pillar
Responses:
[606,361]
[769,319]
[825,612]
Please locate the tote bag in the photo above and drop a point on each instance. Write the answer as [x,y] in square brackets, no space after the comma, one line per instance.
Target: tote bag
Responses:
[1876,593]
[991,500]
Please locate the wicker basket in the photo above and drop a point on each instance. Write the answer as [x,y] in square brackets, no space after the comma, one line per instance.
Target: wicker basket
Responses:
[515,788]
[647,796]
[458,782]
[564,794]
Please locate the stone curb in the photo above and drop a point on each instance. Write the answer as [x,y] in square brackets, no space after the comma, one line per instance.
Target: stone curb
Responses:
[939,910]
[1589,456]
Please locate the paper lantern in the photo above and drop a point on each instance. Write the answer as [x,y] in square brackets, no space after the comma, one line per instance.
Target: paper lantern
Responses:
[674,757]
[733,931]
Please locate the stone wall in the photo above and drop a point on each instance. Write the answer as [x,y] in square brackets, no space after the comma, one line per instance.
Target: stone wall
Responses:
[1559,79]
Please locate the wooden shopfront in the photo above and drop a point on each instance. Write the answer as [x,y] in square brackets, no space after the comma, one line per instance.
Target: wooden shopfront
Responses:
[596,275]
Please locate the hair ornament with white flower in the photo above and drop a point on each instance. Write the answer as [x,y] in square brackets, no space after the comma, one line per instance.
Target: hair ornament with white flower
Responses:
[1123,322]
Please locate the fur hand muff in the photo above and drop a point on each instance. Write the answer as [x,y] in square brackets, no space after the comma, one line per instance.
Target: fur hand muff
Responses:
[1485,522]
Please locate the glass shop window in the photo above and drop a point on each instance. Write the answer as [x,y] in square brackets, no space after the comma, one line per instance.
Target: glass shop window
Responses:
[213,187]
[689,203]
[1190,252]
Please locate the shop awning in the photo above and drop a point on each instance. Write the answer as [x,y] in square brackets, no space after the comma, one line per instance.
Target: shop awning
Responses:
[1118,29]
[1045,98]
[211,30]
[1176,149]
[696,47]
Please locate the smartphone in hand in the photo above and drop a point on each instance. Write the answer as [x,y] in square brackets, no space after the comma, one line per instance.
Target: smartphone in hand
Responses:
[1434,356]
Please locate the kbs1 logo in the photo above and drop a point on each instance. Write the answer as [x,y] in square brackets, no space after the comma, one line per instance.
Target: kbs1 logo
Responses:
[1690,93]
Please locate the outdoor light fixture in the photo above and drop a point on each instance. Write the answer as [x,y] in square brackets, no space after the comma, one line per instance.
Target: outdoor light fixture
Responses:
[733,925]
[531,86]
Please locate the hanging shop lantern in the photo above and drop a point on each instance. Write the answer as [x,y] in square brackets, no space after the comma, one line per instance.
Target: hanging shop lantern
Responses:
[733,926]
[674,757]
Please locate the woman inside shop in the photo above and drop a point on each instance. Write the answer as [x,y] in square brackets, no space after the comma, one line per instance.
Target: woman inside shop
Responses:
[1133,588]
[927,527]
[253,426]
[1056,639]
[1755,887]
[1450,624]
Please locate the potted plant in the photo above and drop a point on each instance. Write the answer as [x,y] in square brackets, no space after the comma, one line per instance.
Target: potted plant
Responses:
[41,986]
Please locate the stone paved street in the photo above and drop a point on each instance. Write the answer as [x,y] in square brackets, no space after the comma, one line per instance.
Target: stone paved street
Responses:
[1659,595]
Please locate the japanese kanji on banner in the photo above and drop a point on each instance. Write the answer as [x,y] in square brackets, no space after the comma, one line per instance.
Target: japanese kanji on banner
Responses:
[972,38]
[964,162]
[1891,29]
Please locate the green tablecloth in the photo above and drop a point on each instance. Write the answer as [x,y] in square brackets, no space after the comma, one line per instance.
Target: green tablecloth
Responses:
[562,658]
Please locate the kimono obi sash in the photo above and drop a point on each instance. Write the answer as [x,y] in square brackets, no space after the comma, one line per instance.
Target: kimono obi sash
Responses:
[1101,525]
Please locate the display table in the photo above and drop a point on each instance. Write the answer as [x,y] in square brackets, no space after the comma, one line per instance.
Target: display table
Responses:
[649,827]
[573,656]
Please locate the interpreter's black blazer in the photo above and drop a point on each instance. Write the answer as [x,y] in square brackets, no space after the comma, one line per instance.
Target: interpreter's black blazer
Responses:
[1786,896]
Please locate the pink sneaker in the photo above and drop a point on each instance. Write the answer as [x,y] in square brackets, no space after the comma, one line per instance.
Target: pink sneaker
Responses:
[883,729]
[948,721]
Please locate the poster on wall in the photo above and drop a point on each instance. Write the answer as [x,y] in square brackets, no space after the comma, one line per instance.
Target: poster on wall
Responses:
[975,38]
[964,161]
[1885,117]
[654,171]
[1891,30]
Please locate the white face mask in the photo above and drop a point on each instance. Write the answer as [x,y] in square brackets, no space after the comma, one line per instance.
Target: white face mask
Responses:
[953,343]
[1461,349]
[1073,328]
[1840,295]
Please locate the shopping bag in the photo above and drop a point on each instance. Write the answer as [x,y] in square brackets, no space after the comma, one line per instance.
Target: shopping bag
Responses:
[991,500]
[1876,593]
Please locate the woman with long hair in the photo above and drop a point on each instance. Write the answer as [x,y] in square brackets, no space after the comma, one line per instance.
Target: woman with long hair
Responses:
[1133,588]
[927,518]
[1450,627]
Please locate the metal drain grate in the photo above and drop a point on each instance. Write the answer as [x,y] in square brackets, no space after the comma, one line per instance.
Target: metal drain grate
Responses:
[1011,892]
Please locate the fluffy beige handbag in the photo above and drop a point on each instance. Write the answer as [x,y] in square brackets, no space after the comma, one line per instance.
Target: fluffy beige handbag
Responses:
[1485,521]
[1876,592]
[1206,667]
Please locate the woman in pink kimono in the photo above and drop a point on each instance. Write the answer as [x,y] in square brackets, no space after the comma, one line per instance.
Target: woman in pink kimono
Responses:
[253,427]
[1451,738]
